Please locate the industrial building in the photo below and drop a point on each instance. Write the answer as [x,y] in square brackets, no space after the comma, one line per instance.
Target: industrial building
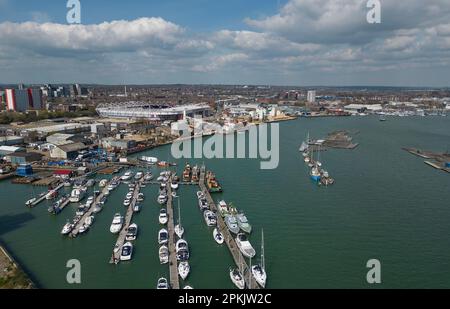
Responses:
[6,150]
[21,100]
[150,111]
[11,140]
[67,151]
[18,158]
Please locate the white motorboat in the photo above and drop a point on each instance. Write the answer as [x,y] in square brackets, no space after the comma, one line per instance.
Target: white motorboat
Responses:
[210,218]
[83,229]
[126,203]
[127,251]
[129,195]
[218,237]
[76,195]
[89,201]
[81,210]
[223,208]
[245,246]
[162,284]
[203,204]
[243,224]
[182,250]
[259,271]
[188,287]
[163,236]
[160,178]
[237,278]
[68,227]
[127,175]
[162,199]
[139,175]
[163,217]
[97,209]
[163,254]
[148,160]
[103,183]
[137,207]
[148,176]
[183,269]
[132,232]
[111,187]
[200,194]
[231,222]
[116,224]
[30,202]
[89,220]
[140,197]
[174,185]
[179,229]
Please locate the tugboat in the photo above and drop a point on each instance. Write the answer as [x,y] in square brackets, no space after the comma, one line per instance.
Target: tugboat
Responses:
[195,174]
[187,173]
[212,183]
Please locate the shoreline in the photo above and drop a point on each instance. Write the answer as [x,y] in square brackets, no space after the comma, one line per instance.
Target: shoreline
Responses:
[12,274]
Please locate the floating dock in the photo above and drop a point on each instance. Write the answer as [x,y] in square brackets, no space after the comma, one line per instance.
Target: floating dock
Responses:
[40,199]
[239,259]
[173,266]
[115,257]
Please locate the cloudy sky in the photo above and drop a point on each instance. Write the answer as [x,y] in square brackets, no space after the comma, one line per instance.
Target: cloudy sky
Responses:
[278,42]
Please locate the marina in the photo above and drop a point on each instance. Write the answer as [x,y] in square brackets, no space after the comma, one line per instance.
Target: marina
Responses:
[310,225]
[173,266]
[115,258]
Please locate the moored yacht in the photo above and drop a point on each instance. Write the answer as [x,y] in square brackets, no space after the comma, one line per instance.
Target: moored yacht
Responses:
[103,183]
[183,269]
[245,246]
[137,207]
[162,199]
[218,237]
[243,223]
[127,251]
[127,175]
[231,222]
[162,284]
[182,250]
[163,236]
[138,175]
[163,218]
[132,232]
[76,195]
[68,227]
[116,224]
[210,218]
[237,278]
[163,254]
[258,270]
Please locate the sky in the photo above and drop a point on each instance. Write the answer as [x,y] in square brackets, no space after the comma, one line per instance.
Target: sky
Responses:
[266,42]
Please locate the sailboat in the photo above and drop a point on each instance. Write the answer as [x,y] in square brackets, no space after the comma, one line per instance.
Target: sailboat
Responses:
[237,276]
[179,230]
[305,145]
[259,271]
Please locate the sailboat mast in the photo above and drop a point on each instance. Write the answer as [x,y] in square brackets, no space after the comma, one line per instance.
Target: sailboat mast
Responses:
[250,274]
[262,249]
[179,212]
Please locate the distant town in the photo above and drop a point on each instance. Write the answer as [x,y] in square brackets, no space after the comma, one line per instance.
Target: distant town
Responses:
[41,124]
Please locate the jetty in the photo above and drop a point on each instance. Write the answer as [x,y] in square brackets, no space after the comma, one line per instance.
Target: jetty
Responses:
[239,259]
[43,197]
[173,266]
[115,257]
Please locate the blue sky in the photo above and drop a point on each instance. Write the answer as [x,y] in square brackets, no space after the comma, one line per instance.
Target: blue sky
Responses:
[277,42]
[197,15]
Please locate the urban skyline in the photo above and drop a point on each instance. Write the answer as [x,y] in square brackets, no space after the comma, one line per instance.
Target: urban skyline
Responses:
[296,42]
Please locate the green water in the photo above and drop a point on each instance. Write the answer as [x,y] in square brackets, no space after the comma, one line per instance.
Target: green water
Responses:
[386,204]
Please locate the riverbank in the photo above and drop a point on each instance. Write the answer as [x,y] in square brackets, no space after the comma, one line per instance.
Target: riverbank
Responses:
[11,274]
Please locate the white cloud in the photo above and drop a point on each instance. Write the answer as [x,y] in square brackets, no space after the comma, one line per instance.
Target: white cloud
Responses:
[219,62]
